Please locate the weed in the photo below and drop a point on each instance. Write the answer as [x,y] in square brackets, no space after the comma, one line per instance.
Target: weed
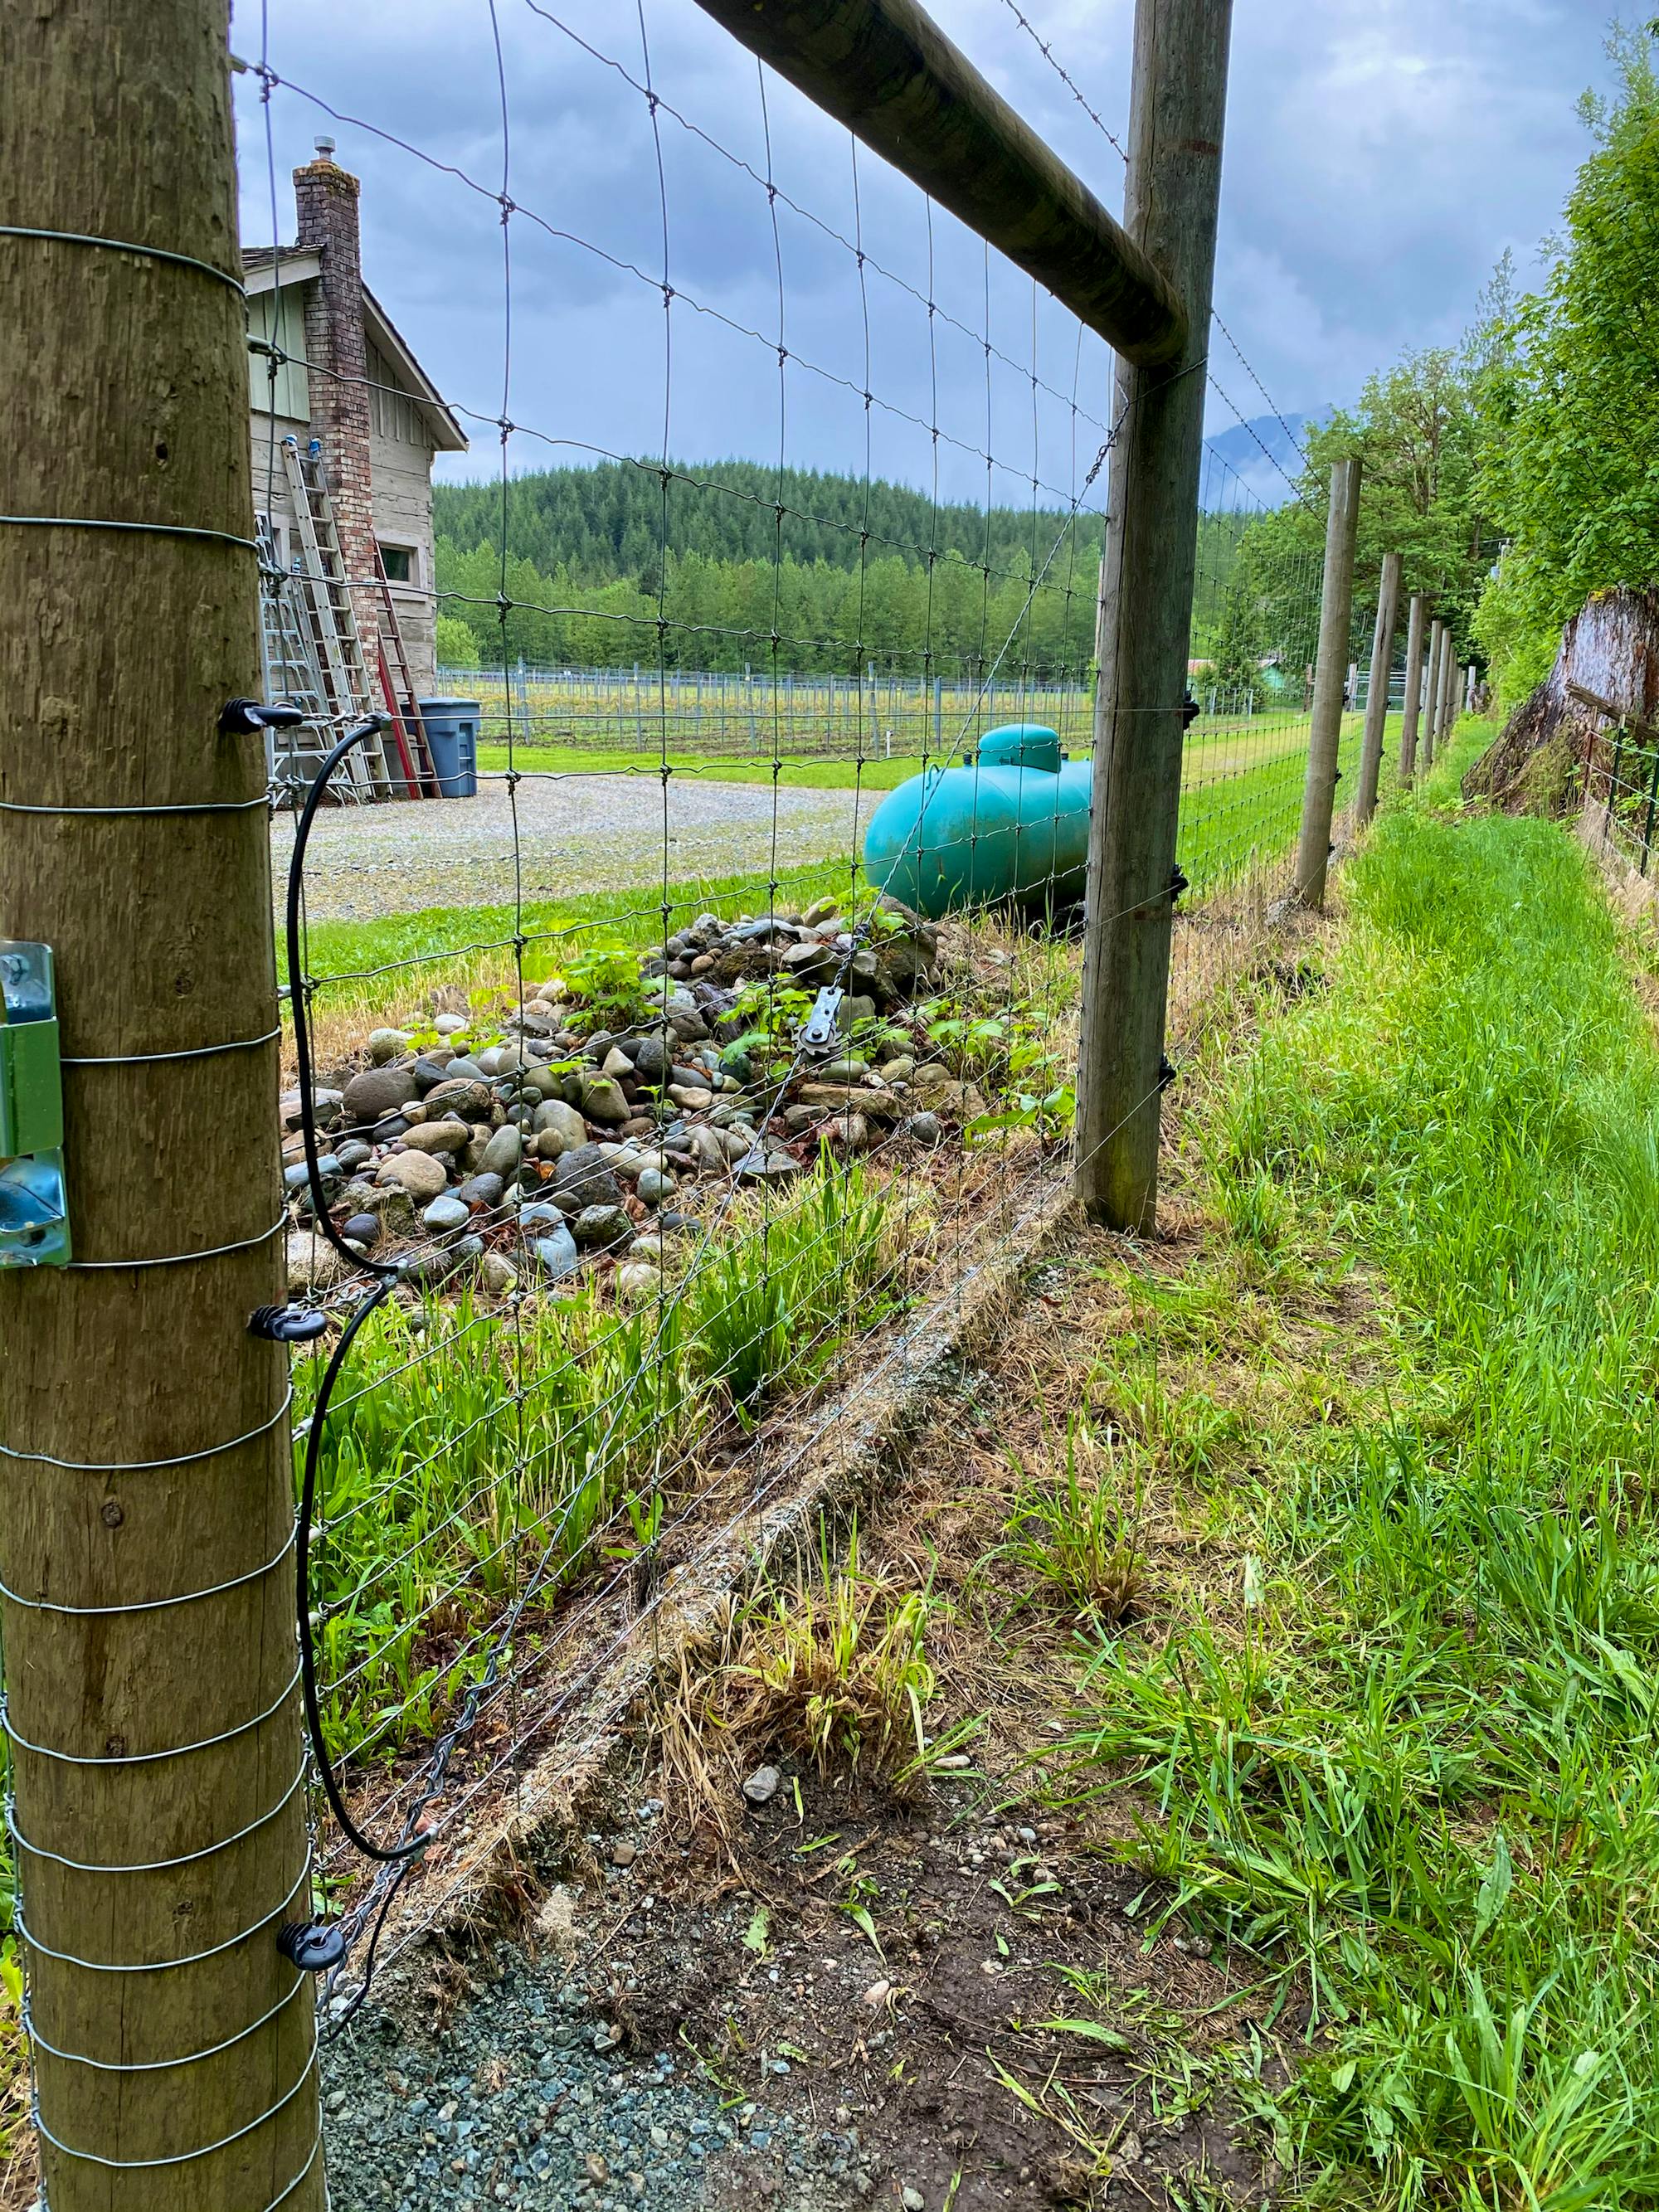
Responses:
[1070,1541]
[837,1673]
[438,1473]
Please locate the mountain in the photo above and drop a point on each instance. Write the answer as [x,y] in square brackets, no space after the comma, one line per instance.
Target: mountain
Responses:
[1264,455]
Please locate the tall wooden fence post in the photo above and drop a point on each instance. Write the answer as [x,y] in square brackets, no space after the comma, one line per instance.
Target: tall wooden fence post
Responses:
[1432,687]
[147,1541]
[1448,676]
[1376,695]
[1413,706]
[1177,108]
[1325,731]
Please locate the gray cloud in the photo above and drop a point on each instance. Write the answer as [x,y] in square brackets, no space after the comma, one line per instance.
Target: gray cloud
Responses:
[1380,155]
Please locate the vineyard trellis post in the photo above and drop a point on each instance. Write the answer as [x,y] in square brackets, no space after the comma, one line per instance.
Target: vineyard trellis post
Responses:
[1178,110]
[1376,695]
[1325,731]
[146,1548]
[1411,705]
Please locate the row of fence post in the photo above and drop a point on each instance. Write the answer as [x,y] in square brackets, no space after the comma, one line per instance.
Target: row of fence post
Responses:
[146,1552]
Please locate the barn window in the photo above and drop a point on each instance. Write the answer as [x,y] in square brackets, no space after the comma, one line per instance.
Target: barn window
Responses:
[399,564]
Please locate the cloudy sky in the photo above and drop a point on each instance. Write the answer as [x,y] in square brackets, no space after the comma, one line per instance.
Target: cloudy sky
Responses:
[1379,156]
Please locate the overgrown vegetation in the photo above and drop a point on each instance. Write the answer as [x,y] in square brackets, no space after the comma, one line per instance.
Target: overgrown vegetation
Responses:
[1408,1769]
[446,1478]
[1572,413]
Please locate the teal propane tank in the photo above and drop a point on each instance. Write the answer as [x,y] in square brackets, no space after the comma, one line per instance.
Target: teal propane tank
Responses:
[1013,825]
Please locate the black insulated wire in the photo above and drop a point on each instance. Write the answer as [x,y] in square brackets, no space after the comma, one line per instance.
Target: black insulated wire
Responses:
[407,1847]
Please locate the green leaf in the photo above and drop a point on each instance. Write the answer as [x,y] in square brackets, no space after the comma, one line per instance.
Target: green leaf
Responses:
[1091,2030]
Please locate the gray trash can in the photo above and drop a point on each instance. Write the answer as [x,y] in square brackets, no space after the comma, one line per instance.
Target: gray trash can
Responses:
[452,731]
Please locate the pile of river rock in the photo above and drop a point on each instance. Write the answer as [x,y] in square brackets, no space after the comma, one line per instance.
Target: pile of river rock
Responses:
[553,1148]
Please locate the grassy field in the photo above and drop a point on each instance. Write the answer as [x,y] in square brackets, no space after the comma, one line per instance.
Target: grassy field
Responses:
[1405,1764]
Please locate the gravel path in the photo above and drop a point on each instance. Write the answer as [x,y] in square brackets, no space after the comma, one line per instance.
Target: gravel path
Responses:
[576,833]
[523,2102]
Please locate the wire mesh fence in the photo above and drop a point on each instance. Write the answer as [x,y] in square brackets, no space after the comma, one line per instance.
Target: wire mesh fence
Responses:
[621,1174]
[1619,783]
[651,1102]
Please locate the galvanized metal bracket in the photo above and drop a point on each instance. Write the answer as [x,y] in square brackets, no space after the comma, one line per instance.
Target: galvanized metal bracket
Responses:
[819,1033]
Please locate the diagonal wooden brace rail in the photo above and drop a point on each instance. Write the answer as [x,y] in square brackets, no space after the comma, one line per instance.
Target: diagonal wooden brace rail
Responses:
[886,70]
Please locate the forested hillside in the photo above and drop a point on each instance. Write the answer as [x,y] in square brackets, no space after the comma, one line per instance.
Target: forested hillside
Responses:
[847,571]
[610,521]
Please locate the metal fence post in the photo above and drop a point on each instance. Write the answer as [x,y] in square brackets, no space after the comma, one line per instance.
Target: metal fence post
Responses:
[1325,735]
[1376,695]
[1177,108]
[147,1542]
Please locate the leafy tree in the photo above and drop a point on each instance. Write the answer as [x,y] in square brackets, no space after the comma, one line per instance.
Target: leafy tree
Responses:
[1416,432]
[1570,463]
[458,643]
[1235,660]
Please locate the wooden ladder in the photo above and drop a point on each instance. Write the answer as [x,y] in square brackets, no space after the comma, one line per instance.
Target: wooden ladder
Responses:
[409,726]
[326,591]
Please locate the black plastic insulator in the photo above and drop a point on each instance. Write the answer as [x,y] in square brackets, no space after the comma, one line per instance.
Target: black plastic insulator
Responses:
[242,718]
[1167,1071]
[287,1324]
[1178,882]
[313,1946]
[1189,711]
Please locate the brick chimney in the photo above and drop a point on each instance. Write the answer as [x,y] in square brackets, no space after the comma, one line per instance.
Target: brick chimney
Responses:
[326,201]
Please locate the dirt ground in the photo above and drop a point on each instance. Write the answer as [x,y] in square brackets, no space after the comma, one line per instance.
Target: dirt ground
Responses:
[956,1994]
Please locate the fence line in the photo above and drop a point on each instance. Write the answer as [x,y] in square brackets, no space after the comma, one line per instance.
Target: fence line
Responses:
[633,1118]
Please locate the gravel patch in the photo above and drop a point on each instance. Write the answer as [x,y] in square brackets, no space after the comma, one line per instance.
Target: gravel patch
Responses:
[524,2101]
[576,833]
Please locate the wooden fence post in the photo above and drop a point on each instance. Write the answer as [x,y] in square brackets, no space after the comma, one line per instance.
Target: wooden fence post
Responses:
[147,1541]
[1177,110]
[1413,706]
[1325,734]
[1432,688]
[1377,696]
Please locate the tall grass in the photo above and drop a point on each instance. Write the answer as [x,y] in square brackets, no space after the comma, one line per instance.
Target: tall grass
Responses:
[1422,1780]
[459,1451]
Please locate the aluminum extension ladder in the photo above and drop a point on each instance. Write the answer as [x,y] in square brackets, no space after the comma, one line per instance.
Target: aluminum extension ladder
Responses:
[326,593]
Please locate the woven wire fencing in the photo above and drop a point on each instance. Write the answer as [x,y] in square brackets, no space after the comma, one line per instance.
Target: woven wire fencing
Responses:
[655,1109]
[1619,782]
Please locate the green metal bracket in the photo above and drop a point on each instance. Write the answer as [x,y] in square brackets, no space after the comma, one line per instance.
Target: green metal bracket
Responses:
[34,1202]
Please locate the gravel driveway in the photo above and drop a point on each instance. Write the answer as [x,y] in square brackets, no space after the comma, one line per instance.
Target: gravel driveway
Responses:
[577,834]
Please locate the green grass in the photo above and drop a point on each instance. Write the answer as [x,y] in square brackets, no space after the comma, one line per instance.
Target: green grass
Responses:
[1413,1764]
[796,773]
[461,1448]
[1240,746]
[634,916]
